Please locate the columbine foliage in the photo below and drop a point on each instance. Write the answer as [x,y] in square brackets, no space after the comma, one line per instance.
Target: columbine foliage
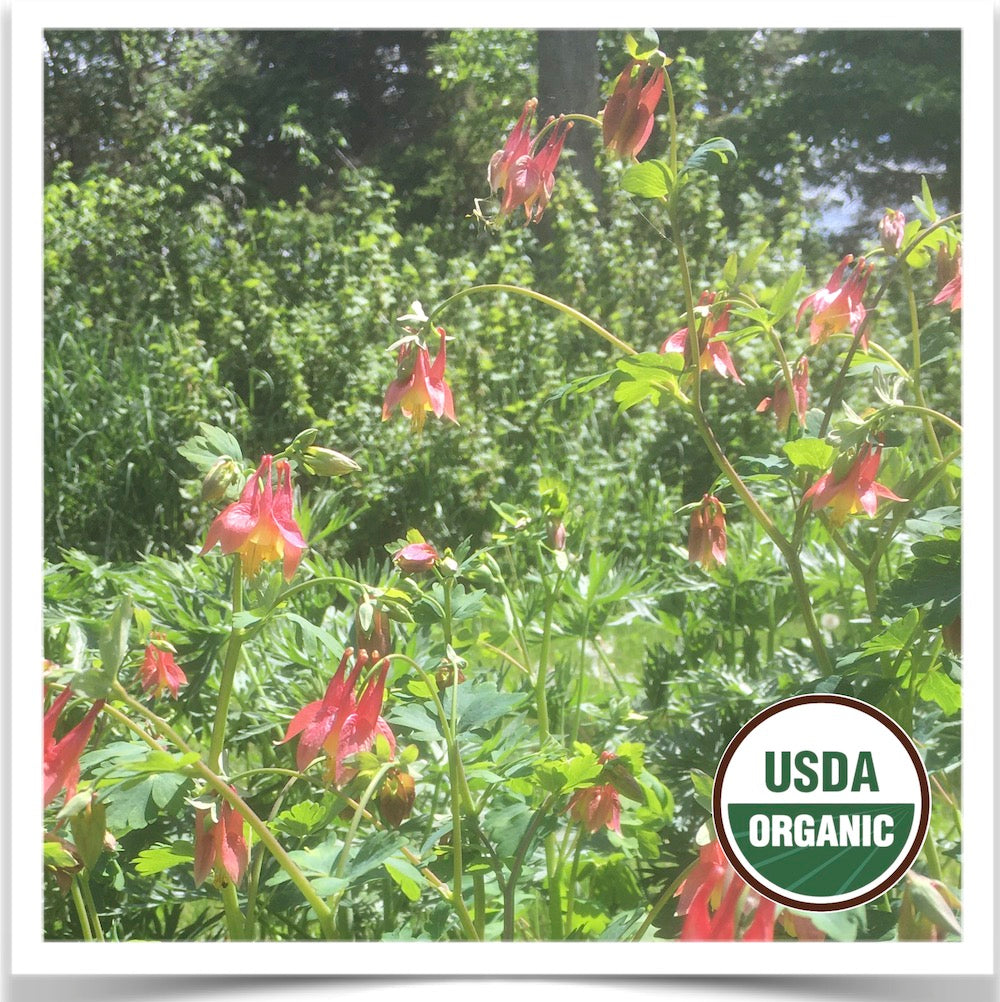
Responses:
[356,721]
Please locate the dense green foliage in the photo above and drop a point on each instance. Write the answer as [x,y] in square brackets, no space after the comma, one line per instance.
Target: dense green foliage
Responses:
[234,224]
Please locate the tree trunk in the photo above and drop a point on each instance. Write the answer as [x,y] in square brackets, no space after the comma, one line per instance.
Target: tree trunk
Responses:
[568,82]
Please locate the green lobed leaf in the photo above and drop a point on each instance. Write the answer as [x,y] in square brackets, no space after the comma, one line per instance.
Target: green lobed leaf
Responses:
[939,687]
[158,858]
[650,179]
[810,452]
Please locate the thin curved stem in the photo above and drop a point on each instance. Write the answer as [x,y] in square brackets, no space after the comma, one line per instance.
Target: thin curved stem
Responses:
[518,290]
[228,671]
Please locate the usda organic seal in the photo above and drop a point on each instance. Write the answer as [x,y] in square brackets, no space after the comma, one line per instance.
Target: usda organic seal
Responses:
[821,802]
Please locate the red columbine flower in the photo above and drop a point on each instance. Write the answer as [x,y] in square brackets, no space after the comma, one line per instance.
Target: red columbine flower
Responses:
[707,535]
[260,526]
[717,904]
[891,229]
[420,385]
[838,307]
[61,759]
[852,491]
[952,291]
[714,354]
[518,145]
[628,115]
[597,807]
[340,723]
[159,670]
[219,843]
[527,179]
[780,402]
[416,558]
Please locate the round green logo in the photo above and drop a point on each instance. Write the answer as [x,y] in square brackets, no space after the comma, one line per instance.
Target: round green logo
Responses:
[821,802]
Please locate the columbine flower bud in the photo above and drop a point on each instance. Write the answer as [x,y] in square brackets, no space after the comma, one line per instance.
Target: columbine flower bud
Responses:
[377,635]
[323,462]
[890,229]
[395,799]
[416,558]
[557,534]
[219,479]
[446,675]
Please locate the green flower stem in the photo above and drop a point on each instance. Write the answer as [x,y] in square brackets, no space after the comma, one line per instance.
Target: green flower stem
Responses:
[235,921]
[571,884]
[542,670]
[549,301]
[258,863]
[554,887]
[224,790]
[356,821]
[236,636]
[81,909]
[459,788]
[877,349]
[787,550]
[661,902]
[574,733]
[479,903]
[520,852]
[673,123]
[575,117]
[88,900]
[928,415]
[932,857]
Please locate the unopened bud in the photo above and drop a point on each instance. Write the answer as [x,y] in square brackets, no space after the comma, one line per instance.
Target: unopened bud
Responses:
[395,799]
[416,557]
[372,629]
[557,534]
[447,675]
[219,479]
[890,229]
[323,462]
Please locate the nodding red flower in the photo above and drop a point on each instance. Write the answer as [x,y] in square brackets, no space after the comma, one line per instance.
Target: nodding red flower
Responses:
[518,145]
[420,385]
[781,404]
[597,807]
[416,558]
[260,525]
[527,179]
[219,844]
[717,904]
[628,116]
[342,724]
[159,670]
[891,229]
[838,307]
[61,759]
[851,490]
[952,291]
[707,535]
[713,354]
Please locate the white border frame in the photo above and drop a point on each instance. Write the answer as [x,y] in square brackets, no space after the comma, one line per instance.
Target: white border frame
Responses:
[31,955]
